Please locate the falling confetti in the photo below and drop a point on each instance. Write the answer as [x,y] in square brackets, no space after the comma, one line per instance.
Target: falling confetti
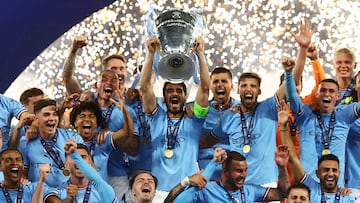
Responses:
[241,35]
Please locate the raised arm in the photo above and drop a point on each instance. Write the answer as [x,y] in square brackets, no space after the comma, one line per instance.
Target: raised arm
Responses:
[281,159]
[287,63]
[318,73]
[202,94]
[16,135]
[70,82]
[38,195]
[303,38]
[68,103]
[178,192]
[146,85]
[291,94]
[106,192]
[125,138]
[283,118]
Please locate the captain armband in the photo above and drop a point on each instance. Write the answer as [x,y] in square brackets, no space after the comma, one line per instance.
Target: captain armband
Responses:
[200,111]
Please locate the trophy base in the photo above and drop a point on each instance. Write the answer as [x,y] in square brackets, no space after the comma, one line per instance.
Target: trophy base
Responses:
[176,67]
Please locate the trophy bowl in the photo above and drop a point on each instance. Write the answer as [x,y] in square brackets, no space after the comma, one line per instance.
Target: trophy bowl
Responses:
[175,32]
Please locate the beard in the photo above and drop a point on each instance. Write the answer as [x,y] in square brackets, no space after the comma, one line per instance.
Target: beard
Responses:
[174,111]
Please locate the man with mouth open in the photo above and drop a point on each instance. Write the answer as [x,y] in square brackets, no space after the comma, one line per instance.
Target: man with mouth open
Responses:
[86,118]
[221,86]
[12,190]
[115,62]
[48,146]
[328,169]
[85,185]
[80,187]
[249,128]
[232,186]
[175,137]
[111,80]
[323,131]
[143,186]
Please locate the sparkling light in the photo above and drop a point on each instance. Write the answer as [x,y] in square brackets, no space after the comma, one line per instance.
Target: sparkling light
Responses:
[242,35]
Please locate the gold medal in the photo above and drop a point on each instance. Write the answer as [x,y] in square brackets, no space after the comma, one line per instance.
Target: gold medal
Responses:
[66,172]
[325,152]
[246,148]
[169,153]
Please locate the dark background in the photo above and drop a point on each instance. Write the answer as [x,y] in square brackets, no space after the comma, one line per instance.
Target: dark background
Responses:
[28,27]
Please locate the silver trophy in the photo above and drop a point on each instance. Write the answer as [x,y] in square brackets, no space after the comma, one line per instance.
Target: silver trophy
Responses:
[175,31]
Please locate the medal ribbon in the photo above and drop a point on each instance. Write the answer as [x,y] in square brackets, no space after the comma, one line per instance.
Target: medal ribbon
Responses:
[143,123]
[52,152]
[172,132]
[87,193]
[326,137]
[349,89]
[7,194]
[232,198]
[106,120]
[293,126]
[219,105]
[247,131]
[337,197]
[92,147]
[347,92]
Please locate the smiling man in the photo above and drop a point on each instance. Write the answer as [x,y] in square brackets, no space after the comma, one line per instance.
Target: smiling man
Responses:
[344,64]
[220,86]
[78,187]
[11,164]
[232,186]
[328,169]
[86,118]
[249,128]
[47,148]
[323,131]
[143,186]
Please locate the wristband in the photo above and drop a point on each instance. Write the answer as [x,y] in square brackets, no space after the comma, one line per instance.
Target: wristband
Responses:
[185,182]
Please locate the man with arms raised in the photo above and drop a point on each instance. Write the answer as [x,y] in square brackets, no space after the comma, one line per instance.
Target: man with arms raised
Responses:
[174,136]
[325,130]
[111,80]
[220,86]
[328,169]
[86,118]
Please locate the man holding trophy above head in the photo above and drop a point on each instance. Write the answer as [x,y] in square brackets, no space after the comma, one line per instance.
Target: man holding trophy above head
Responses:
[175,137]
